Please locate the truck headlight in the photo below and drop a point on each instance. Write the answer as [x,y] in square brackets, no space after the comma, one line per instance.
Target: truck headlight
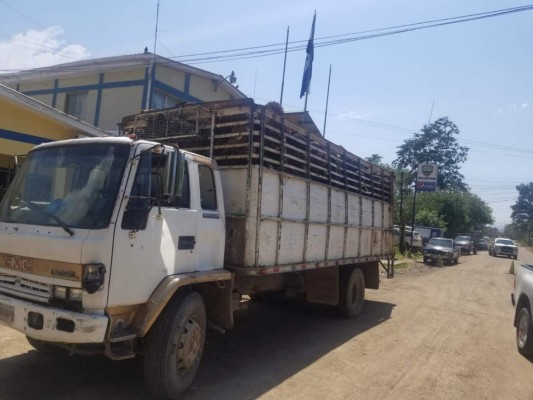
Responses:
[75,294]
[93,277]
[60,292]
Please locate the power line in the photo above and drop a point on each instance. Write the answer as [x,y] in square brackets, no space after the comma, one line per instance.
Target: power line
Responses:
[322,42]
[279,48]
[22,14]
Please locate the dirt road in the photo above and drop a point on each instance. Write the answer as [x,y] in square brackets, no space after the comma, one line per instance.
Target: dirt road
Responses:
[433,333]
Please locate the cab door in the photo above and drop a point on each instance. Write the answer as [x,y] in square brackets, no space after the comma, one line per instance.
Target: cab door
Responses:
[155,236]
[211,222]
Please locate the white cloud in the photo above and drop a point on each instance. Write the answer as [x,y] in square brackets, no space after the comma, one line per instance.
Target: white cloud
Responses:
[38,48]
[512,108]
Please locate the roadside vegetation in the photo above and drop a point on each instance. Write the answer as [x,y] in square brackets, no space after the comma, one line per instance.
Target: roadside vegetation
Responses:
[452,207]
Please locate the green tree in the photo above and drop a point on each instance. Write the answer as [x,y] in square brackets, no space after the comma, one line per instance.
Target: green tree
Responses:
[376,159]
[454,211]
[435,144]
[430,218]
[522,214]
[512,232]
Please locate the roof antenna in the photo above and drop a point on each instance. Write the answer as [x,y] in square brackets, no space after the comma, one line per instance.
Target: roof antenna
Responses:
[148,101]
[156,23]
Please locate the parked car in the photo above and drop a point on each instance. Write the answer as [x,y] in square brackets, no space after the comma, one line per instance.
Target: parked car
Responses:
[482,244]
[522,299]
[417,239]
[503,247]
[441,248]
[465,244]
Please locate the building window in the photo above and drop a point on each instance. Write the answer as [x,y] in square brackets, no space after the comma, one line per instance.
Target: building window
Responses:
[76,105]
[164,100]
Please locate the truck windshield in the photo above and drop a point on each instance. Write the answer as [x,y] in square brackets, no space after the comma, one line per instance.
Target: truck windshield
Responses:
[73,186]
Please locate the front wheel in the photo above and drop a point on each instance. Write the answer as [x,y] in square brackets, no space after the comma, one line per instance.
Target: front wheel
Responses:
[175,346]
[524,333]
[352,293]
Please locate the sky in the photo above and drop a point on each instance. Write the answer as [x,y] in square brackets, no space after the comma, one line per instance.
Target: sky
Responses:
[383,89]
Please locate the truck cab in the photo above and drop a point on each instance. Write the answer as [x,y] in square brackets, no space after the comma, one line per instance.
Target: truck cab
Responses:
[84,221]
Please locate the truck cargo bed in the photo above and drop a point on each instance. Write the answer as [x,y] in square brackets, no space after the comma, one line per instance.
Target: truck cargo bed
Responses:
[293,199]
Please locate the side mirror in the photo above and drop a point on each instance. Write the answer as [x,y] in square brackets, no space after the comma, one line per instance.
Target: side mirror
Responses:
[175,168]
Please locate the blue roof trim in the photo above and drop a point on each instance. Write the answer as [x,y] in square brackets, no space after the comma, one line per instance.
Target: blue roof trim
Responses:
[145,89]
[54,97]
[108,85]
[98,100]
[187,84]
[175,92]
[22,137]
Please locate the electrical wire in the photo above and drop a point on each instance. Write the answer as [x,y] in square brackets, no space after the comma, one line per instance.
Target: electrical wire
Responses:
[279,48]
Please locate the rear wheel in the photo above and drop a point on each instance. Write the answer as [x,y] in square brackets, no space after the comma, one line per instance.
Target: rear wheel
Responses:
[352,293]
[175,346]
[524,333]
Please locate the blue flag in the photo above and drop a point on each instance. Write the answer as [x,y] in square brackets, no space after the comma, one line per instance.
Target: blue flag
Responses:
[308,68]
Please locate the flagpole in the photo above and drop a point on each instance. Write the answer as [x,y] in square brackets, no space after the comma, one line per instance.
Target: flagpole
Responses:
[308,68]
[284,65]
[327,101]
[305,108]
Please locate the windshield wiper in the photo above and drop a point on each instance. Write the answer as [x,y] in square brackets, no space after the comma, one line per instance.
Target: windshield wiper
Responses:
[63,225]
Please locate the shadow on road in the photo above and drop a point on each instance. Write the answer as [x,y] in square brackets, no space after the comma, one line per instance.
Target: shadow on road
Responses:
[269,344]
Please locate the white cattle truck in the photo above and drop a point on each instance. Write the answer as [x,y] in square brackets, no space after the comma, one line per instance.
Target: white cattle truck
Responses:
[135,246]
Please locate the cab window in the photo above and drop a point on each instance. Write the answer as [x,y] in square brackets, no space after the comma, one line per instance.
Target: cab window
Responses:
[208,198]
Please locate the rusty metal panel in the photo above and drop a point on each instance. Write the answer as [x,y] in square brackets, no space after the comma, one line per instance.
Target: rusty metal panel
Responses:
[323,286]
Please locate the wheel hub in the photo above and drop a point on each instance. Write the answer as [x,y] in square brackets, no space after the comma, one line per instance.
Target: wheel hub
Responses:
[522,331]
[189,346]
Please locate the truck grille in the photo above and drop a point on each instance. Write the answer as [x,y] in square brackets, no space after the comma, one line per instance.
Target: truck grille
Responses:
[436,252]
[25,288]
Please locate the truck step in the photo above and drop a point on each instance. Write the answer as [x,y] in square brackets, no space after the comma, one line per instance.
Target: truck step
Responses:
[122,336]
[120,345]
[119,353]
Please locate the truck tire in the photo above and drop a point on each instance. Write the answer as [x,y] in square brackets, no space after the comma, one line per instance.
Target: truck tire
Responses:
[351,292]
[524,333]
[175,346]
[44,347]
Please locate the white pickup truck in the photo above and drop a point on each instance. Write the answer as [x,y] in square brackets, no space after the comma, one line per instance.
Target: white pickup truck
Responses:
[522,299]
[133,247]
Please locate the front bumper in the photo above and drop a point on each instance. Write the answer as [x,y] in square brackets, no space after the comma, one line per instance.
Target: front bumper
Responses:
[52,324]
[504,252]
[435,257]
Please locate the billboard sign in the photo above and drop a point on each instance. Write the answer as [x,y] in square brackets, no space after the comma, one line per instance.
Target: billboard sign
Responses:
[426,178]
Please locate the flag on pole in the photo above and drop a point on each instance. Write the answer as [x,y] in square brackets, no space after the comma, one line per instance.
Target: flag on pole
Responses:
[308,68]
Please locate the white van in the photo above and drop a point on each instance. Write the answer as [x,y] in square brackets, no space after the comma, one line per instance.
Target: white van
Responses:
[417,239]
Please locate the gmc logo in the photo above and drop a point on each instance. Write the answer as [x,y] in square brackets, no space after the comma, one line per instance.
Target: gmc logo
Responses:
[18,264]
